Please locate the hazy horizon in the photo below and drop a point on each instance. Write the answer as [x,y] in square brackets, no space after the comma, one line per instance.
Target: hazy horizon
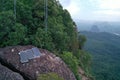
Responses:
[93,10]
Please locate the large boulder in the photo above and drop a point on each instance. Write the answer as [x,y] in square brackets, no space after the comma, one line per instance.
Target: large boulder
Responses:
[30,70]
[7,74]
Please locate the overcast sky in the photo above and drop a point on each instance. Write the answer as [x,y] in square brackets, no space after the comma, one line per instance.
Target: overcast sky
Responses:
[99,10]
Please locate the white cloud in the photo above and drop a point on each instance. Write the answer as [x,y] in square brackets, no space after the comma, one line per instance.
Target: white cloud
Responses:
[107,15]
[73,9]
[107,12]
[65,3]
[109,8]
[93,9]
[109,4]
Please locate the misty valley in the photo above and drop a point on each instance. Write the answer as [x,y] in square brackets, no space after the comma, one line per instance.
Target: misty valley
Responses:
[103,43]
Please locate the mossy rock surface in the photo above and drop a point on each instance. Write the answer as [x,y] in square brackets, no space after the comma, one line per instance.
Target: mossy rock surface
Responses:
[49,76]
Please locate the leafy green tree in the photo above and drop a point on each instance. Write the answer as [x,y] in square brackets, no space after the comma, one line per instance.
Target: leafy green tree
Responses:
[43,39]
[82,39]
[17,35]
[84,60]
[72,62]
[6,5]
[7,22]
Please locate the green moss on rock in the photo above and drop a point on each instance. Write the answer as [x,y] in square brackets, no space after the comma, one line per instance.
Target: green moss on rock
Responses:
[49,76]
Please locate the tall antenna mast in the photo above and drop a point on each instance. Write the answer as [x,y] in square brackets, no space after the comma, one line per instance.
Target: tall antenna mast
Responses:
[15,9]
[46,14]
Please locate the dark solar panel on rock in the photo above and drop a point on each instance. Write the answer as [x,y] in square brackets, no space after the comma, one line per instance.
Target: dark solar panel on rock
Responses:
[36,52]
[29,54]
[23,57]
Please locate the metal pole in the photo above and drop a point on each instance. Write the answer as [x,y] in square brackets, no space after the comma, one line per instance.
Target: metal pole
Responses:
[44,12]
[46,15]
[15,9]
[3,5]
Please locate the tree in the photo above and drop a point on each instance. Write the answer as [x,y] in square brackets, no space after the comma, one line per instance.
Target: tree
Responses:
[17,35]
[82,40]
[72,63]
[43,39]
[7,22]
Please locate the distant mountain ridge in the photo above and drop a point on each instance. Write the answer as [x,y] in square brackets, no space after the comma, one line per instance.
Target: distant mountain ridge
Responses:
[111,27]
[95,28]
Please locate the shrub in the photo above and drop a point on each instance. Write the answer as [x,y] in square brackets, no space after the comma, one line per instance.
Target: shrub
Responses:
[72,63]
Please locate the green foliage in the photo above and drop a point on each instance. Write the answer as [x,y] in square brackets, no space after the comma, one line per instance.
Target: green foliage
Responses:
[72,63]
[49,76]
[6,24]
[43,39]
[84,60]
[17,35]
[61,34]
[82,40]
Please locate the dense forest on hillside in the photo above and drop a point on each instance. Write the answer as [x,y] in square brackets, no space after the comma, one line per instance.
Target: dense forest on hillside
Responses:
[105,49]
[29,24]
[26,26]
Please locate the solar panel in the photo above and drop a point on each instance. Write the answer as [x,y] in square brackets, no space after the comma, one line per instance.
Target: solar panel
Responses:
[36,52]
[29,54]
[23,57]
